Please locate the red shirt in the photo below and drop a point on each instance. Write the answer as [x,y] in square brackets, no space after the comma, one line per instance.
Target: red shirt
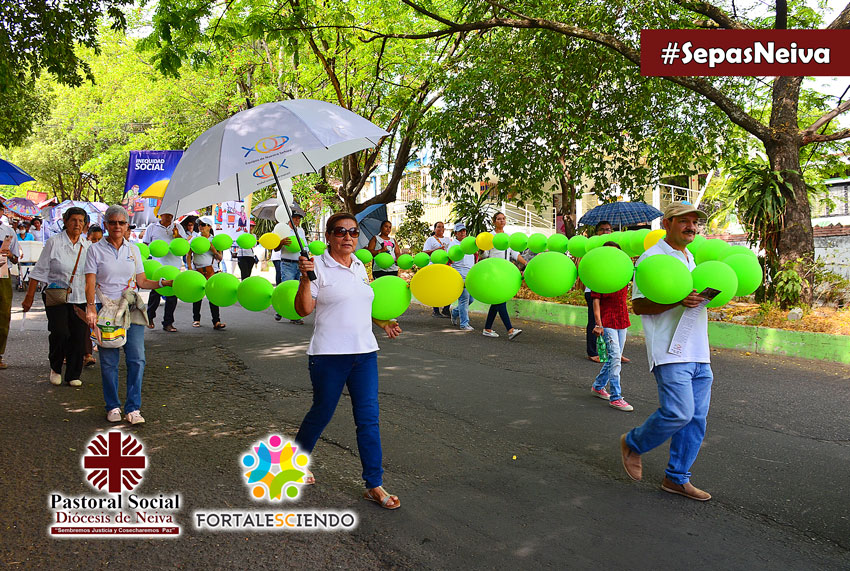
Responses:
[613,308]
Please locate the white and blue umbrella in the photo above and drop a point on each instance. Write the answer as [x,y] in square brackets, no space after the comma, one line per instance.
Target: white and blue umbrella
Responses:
[12,174]
[621,214]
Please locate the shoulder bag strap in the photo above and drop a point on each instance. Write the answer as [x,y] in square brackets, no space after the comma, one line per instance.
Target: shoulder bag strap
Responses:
[77,263]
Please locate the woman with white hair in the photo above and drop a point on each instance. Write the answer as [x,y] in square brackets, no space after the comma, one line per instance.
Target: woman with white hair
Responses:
[113,266]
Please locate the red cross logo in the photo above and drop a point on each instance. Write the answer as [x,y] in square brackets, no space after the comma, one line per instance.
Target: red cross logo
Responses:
[116,462]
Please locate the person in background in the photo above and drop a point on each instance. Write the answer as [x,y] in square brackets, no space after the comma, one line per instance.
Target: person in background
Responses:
[604,227]
[9,251]
[39,232]
[245,258]
[499,223]
[343,350]
[203,263]
[383,243]
[94,234]
[24,233]
[60,266]
[289,260]
[166,229]
[190,226]
[611,316]
[438,241]
[460,314]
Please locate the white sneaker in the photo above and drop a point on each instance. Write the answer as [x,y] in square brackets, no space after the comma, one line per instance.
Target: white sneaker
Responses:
[55,378]
[489,333]
[134,417]
[76,383]
[514,333]
[114,415]
[467,328]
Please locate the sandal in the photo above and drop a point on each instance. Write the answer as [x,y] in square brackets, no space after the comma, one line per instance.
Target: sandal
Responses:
[88,361]
[625,360]
[309,478]
[219,325]
[169,328]
[151,325]
[385,501]
[196,324]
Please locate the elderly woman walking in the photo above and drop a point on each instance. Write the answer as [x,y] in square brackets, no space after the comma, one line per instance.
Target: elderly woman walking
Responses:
[343,349]
[113,266]
[60,266]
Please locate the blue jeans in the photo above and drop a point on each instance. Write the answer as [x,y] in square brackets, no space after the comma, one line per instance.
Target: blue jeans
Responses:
[502,310]
[134,356]
[462,309]
[289,271]
[684,393]
[329,374]
[277,265]
[615,340]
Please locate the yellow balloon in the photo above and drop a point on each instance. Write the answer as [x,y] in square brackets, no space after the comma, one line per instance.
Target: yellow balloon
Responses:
[437,285]
[484,241]
[269,240]
[653,237]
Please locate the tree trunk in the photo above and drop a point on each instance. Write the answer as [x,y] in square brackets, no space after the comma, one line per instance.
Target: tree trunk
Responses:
[568,206]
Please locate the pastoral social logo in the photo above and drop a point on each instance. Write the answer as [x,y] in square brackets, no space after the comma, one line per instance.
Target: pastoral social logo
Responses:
[114,462]
[276,469]
[267,145]
[265,171]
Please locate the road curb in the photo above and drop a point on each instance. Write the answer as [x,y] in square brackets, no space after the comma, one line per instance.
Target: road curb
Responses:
[763,340]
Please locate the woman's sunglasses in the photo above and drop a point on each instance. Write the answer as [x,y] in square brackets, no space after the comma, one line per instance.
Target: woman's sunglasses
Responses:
[339,232]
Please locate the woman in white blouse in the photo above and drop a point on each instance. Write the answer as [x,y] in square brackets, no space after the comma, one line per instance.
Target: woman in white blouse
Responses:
[343,349]
[60,266]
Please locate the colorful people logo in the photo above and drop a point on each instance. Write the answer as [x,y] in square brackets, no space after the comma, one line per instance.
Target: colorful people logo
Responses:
[267,145]
[275,469]
[114,462]
[265,171]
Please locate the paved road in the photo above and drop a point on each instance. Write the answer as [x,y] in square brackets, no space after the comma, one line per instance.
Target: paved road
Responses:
[500,455]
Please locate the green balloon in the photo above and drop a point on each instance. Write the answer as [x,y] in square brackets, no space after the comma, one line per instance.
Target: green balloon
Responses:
[697,242]
[748,271]
[468,245]
[596,241]
[221,289]
[663,279]
[246,241]
[317,248]
[501,241]
[494,280]
[737,250]
[710,250]
[179,246]
[577,246]
[537,243]
[292,247]
[200,245]
[166,273]
[716,275]
[189,286]
[222,242]
[255,293]
[421,259]
[606,270]
[151,266]
[363,255]
[636,241]
[617,237]
[456,253]
[158,248]
[283,299]
[518,241]
[143,250]
[392,297]
[384,260]
[439,257]
[405,261]
[550,274]
[557,243]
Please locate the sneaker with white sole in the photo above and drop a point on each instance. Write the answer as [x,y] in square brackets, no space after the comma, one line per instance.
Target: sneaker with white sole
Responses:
[114,415]
[55,378]
[600,393]
[467,328]
[621,404]
[514,333]
[489,333]
[134,417]
[76,383]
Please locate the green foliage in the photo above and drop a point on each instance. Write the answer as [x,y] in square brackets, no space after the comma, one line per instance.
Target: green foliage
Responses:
[413,231]
[789,285]
[475,210]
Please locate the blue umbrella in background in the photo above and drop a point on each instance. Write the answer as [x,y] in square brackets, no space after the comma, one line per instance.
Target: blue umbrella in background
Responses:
[369,221]
[12,174]
[621,214]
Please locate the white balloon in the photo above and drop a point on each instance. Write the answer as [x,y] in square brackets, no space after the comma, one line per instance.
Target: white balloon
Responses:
[286,187]
[280,214]
[282,229]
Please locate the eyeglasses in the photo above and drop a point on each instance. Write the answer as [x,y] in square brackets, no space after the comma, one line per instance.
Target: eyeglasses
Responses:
[340,231]
[117,222]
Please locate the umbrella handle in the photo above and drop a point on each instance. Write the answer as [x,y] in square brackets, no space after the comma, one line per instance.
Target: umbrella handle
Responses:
[311,274]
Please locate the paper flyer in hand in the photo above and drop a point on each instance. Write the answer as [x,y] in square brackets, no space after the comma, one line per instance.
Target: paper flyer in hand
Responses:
[686,322]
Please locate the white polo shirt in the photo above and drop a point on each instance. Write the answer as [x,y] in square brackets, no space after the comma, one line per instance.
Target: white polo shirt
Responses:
[434,243]
[343,308]
[465,263]
[115,270]
[659,329]
[56,264]
[157,231]
[6,230]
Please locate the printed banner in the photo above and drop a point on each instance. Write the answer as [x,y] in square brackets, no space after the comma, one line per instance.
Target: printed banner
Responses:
[147,171]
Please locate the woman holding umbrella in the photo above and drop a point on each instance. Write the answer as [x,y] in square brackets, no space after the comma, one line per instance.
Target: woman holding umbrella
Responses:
[343,349]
